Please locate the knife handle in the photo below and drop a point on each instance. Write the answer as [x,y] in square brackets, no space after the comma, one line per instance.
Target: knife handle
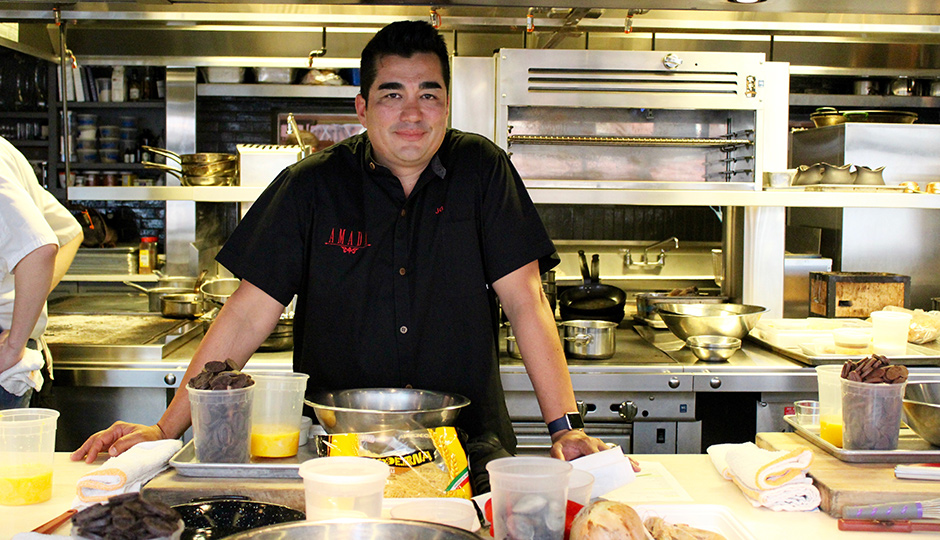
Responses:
[874,526]
[904,510]
[53,524]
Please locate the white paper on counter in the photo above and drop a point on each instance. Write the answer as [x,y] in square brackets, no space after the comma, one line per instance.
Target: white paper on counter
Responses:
[653,484]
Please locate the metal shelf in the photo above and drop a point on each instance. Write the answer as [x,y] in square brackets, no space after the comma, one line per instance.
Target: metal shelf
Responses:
[873,102]
[166,193]
[548,192]
[276,90]
[150,104]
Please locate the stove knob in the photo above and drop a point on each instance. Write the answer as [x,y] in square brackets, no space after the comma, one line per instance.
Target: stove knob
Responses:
[714,382]
[673,382]
[169,378]
[627,410]
[671,61]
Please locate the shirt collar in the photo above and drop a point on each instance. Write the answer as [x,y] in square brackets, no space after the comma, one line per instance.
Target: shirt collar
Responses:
[371,165]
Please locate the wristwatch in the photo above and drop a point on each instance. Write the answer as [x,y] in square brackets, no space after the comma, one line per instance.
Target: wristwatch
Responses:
[570,420]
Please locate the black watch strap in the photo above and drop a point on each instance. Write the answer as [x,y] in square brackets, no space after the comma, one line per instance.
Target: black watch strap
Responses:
[570,420]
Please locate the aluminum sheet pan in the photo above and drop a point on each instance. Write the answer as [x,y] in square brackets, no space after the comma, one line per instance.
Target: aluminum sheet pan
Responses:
[911,447]
[186,464]
[118,337]
[917,355]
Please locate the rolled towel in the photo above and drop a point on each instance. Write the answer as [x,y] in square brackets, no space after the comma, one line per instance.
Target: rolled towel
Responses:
[125,473]
[797,495]
[24,374]
[760,469]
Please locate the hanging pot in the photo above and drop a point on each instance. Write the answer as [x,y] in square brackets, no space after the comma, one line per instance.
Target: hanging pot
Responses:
[592,300]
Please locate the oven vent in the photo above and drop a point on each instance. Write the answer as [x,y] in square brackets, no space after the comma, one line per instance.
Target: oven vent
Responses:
[633,81]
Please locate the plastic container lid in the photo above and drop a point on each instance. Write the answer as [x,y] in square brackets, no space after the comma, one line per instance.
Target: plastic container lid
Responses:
[344,470]
[148,239]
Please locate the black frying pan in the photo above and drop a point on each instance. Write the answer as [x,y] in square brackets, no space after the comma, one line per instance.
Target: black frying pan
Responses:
[592,300]
[218,517]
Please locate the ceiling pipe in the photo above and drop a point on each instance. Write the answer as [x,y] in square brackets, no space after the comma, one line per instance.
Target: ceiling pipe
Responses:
[317,53]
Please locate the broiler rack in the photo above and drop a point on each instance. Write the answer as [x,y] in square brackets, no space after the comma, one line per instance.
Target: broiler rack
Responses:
[725,143]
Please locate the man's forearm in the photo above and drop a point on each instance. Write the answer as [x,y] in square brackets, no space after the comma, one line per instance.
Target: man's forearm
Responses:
[64,258]
[32,278]
[247,319]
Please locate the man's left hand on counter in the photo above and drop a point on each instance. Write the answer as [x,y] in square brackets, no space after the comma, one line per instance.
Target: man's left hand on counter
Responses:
[575,443]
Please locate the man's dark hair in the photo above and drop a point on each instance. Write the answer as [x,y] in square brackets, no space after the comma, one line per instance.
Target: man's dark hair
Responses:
[401,38]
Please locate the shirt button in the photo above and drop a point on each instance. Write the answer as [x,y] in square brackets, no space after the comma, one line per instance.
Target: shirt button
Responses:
[403,329]
[403,212]
[372,165]
[408,386]
[401,271]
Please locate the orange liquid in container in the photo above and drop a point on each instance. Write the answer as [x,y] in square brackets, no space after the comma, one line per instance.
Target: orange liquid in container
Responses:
[273,441]
[29,483]
[830,430]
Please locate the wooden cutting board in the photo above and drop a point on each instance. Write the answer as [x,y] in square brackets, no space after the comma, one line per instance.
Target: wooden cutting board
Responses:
[172,488]
[852,484]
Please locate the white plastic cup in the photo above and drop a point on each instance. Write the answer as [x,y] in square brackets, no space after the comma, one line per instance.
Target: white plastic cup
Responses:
[276,413]
[221,424]
[829,378]
[889,332]
[104,88]
[454,512]
[580,484]
[27,448]
[529,493]
[343,487]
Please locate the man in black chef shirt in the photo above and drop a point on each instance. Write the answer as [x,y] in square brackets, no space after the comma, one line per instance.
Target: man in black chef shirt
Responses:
[394,242]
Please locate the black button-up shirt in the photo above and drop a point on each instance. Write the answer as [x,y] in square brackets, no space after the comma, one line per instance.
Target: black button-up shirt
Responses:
[394,291]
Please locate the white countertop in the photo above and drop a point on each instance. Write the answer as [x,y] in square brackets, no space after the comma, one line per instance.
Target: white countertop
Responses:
[694,473]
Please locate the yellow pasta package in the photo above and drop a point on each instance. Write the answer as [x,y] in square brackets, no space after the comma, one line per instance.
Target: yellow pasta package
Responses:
[424,462]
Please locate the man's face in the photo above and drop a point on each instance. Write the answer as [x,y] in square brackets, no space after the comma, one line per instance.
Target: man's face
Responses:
[406,115]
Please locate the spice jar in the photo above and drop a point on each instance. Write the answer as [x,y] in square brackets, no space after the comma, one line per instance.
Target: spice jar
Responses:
[147,255]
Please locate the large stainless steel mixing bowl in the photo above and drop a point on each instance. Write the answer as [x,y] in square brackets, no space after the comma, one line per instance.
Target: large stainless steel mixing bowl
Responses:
[922,409]
[731,320]
[362,410]
[357,530]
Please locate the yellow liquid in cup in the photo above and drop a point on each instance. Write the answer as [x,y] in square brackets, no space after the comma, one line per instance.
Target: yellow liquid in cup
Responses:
[830,430]
[29,483]
[273,441]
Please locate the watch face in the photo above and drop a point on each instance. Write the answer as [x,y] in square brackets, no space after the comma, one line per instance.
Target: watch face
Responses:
[575,420]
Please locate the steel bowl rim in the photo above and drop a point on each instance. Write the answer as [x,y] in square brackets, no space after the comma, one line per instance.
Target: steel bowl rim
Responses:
[732,342]
[462,401]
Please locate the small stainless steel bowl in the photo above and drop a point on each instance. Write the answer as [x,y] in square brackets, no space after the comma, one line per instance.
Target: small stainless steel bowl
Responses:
[713,348]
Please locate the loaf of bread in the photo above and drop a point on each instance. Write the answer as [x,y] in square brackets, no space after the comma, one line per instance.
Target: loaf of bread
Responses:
[607,520]
[661,530]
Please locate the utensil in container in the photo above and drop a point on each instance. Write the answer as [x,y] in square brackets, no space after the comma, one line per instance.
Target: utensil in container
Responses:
[590,339]
[362,410]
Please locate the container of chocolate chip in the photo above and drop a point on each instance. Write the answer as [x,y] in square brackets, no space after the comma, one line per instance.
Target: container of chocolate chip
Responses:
[220,399]
[872,396]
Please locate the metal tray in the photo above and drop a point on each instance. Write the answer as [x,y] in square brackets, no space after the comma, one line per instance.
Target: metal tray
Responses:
[917,355]
[186,464]
[911,447]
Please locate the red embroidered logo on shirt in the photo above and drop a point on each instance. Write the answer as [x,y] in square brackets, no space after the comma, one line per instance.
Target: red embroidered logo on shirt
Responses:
[350,241]
[439,210]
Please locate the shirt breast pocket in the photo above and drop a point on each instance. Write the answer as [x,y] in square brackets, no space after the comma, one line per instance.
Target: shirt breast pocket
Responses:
[460,260]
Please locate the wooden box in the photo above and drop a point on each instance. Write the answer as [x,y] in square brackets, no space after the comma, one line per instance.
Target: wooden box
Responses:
[856,294]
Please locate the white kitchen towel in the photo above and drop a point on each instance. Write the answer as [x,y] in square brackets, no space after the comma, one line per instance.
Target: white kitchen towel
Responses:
[797,495]
[759,469]
[24,374]
[611,469]
[125,473]
[781,473]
